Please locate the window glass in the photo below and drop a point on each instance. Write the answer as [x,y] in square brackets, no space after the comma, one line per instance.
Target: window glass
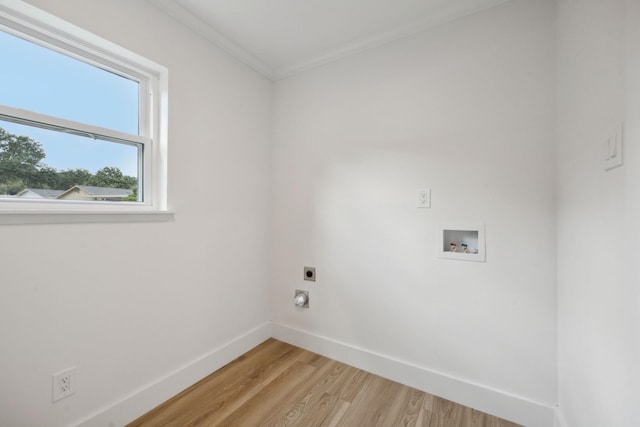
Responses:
[33,160]
[38,79]
[81,119]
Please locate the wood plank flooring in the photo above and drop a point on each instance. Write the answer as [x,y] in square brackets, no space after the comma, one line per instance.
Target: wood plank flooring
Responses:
[277,384]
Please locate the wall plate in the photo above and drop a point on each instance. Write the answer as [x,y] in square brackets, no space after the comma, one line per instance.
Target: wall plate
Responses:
[310,274]
[613,149]
[306,298]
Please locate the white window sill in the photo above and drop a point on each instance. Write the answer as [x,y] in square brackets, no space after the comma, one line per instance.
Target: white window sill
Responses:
[15,217]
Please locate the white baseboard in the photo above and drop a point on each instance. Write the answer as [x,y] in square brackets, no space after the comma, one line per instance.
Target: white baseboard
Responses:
[495,402]
[510,407]
[148,397]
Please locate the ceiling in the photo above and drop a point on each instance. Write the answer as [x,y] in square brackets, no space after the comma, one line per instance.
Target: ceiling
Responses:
[280,38]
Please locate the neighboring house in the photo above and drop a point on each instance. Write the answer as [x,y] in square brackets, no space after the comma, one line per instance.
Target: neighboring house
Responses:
[39,193]
[85,192]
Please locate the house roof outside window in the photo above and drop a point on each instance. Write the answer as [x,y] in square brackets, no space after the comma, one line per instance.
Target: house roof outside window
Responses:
[86,192]
[39,193]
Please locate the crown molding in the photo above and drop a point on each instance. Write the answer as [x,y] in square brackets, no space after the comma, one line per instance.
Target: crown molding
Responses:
[196,24]
[443,16]
[360,45]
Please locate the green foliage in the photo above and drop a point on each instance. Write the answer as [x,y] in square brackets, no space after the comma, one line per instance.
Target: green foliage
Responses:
[12,186]
[131,198]
[20,159]
[21,166]
[47,177]
[70,177]
[113,178]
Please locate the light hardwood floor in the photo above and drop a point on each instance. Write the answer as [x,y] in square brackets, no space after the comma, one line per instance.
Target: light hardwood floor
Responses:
[277,384]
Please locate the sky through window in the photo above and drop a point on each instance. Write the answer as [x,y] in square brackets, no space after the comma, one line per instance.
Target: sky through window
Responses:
[44,81]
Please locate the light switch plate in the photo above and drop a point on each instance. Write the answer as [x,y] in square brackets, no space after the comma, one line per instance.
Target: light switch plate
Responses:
[424,198]
[613,149]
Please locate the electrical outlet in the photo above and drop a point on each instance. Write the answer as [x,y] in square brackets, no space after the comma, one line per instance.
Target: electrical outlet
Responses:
[64,384]
[424,198]
[310,274]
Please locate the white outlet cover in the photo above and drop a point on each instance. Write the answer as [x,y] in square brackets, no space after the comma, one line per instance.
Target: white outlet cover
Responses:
[63,384]
[424,198]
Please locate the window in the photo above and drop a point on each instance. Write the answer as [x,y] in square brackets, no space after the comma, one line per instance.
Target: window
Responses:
[82,121]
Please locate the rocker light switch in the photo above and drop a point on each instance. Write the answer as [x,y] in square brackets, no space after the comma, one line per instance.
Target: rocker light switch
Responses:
[613,149]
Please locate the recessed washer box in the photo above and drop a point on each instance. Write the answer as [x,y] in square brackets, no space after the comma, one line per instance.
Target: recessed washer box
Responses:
[463,242]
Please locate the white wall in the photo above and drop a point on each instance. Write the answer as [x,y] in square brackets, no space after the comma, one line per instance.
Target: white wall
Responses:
[598,211]
[129,304]
[468,110]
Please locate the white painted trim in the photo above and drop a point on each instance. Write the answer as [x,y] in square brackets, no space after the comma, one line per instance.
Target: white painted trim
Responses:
[83,217]
[55,33]
[140,401]
[447,15]
[196,24]
[496,402]
[47,30]
[32,118]
[450,13]
[486,399]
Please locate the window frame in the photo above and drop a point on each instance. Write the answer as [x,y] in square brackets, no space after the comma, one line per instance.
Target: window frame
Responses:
[34,25]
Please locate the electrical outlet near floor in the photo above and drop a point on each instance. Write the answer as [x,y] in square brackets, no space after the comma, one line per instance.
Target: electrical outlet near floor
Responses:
[64,384]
